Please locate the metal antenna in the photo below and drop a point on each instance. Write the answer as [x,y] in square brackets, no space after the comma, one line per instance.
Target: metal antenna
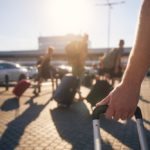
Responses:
[109,4]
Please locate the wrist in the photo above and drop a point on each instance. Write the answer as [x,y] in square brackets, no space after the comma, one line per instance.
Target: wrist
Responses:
[132,76]
[131,84]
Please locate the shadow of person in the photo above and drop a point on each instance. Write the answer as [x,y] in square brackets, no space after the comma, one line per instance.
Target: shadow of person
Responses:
[126,133]
[10,104]
[146,121]
[144,100]
[15,129]
[74,125]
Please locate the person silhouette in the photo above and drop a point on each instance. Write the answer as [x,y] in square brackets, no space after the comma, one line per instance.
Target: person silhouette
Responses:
[111,63]
[44,70]
[77,51]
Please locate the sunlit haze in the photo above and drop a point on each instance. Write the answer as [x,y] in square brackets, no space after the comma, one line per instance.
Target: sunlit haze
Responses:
[22,22]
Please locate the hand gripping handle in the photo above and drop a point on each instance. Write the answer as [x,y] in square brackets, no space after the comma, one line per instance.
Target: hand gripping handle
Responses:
[99,110]
[140,127]
[102,109]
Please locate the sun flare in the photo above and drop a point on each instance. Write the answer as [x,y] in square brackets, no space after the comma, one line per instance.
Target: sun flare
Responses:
[69,16]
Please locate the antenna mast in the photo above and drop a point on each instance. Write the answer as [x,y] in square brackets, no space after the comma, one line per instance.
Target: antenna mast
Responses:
[109,5]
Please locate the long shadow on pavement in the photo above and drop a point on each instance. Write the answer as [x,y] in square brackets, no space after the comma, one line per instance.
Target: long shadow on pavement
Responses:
[10,104]
[15,129]
[144,100]
[125,133]
[75,126]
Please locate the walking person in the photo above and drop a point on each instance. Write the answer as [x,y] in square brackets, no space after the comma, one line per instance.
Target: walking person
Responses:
[111,63]
[76,54]
[44,70]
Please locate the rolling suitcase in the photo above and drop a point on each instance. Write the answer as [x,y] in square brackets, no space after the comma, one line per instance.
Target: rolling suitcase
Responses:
[21,87]
[96,125]
[99,90]
[66,91]
[87,80]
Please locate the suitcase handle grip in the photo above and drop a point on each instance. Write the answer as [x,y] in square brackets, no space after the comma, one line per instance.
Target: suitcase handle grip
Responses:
[102,109]
[138,113]
[99,110]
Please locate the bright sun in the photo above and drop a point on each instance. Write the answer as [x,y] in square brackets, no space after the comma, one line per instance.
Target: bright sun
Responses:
[69,16]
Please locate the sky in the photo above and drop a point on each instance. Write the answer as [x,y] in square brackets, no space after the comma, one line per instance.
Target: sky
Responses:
[23,21]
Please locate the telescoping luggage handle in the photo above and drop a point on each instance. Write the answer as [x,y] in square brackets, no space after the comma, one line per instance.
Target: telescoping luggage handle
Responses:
[139,121]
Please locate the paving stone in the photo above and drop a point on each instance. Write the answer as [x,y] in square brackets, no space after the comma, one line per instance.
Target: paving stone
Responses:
[40,124]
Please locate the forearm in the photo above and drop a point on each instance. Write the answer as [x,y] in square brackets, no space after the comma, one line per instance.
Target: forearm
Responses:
[139,60]
[136,69]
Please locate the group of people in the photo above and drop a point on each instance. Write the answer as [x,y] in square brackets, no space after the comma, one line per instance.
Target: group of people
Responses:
[123,99]
[76,52]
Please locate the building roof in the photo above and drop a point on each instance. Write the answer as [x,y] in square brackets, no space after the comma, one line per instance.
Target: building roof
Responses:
[60,51]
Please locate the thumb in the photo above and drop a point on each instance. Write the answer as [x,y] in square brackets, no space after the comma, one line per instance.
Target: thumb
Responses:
[105,101]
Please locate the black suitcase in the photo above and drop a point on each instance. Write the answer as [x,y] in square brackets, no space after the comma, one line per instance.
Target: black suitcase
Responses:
[66,91]
[96,127]
[87,80]
[99,90]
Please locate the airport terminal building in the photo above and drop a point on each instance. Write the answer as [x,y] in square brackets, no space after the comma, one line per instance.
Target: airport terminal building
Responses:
[29,57]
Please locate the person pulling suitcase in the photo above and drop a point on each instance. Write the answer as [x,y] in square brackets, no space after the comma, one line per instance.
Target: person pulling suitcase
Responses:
[45,71]
[77,51]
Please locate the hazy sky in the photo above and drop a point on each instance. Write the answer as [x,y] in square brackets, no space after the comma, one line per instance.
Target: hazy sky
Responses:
[23,21]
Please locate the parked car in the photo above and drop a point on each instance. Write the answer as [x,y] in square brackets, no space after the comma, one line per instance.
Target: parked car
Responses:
[32,71]
[63,69]
[11,71]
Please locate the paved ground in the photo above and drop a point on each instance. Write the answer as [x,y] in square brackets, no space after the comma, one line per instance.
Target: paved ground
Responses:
[38,124]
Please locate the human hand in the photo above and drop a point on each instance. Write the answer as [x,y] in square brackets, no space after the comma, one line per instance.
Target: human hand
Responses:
[122,102]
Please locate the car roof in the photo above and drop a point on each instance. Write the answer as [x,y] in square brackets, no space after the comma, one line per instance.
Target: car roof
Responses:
[3,61]
[9,62]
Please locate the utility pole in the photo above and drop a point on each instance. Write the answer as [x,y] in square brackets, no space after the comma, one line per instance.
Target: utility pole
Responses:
[109,4]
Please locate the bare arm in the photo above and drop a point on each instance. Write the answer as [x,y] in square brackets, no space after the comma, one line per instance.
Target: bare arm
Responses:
[123,99]
[139,60]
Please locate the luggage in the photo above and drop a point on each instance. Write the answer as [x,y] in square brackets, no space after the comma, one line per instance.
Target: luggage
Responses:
[21,87]
[87,80]
[100,90]
[96,125]
[66,91]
